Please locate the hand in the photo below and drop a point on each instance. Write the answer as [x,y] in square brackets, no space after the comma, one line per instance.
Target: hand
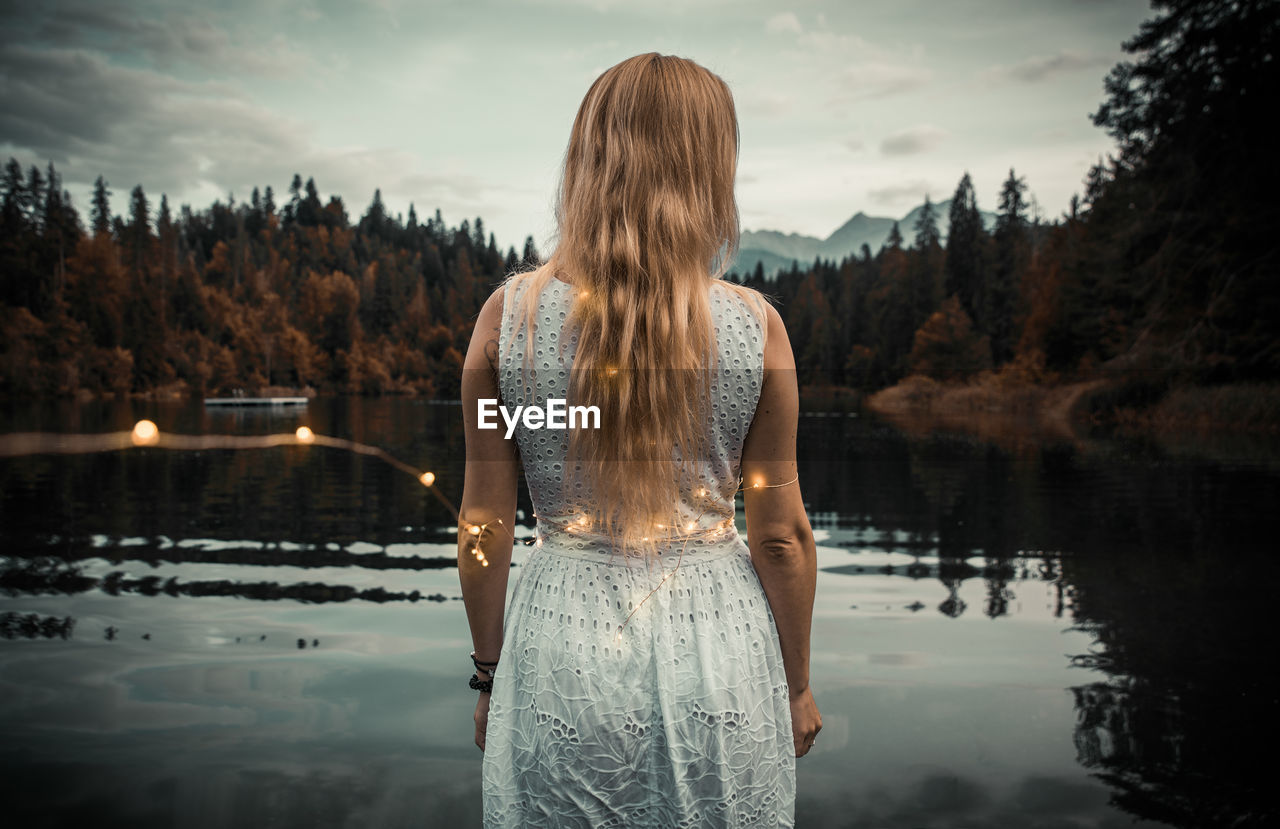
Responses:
[806,722]
[482,718]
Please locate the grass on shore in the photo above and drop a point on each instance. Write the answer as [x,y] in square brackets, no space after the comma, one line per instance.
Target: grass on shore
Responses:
[1128,405]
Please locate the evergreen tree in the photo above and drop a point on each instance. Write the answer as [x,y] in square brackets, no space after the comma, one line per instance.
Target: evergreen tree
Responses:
[295,200]
[530,258]
[1192,192]
[1002,299]
[309,209]
[61,234]
[374,220]
[164,220]
[926,266]
[35,195]
[962,268]
[894,241]
[138,239]
[15,194]
[926,229]
[16,242]
[100,211]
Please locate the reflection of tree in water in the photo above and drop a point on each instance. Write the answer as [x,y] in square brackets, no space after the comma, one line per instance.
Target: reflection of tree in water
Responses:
[1186,713]
[999,572]
[952,605]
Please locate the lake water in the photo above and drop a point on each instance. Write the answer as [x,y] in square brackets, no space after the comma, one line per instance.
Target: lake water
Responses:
[1023,631]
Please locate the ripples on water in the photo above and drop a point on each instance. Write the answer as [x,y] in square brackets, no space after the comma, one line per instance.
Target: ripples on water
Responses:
[1015,631]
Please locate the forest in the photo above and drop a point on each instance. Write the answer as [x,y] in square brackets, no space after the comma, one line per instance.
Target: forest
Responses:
[1162,272]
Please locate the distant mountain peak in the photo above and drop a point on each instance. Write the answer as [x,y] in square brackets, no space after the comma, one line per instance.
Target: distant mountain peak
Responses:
[775,250]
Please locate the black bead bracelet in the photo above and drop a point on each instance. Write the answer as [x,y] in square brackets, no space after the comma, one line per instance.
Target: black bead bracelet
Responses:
[478,684]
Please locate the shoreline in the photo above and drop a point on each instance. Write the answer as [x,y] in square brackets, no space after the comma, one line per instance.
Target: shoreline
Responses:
[1124,409]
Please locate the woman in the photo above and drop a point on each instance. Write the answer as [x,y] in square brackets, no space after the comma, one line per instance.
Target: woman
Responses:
[652,669]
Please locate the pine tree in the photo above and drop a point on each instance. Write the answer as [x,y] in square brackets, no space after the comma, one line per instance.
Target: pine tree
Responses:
[139,230]
[1010,249]
[100,212]
[374,220]
[295,200]
[926,229]
[962,269]
[926,266]
[1189,203]
[530,258]
[35,195]
[894,241]
[309,209]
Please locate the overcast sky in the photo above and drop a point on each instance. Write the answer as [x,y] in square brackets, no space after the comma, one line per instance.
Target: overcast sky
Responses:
[466,106]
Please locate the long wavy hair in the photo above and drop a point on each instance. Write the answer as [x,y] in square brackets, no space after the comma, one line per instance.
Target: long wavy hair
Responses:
[646,220]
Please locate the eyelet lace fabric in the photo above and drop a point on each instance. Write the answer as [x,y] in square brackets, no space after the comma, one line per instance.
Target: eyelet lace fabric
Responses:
[684,720]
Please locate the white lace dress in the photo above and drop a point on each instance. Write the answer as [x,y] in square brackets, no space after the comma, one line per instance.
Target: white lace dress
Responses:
[686,721]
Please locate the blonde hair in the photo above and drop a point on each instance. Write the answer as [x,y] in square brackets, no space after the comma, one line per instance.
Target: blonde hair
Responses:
[646,220]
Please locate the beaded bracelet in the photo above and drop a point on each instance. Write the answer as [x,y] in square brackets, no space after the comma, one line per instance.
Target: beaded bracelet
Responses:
[478,684]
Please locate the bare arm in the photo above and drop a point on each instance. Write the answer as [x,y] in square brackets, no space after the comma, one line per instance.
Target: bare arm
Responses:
[778,531]
[488,492]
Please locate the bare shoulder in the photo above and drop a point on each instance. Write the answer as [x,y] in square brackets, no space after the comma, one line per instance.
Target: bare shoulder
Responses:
[484,338]
[491,311]
[777,345]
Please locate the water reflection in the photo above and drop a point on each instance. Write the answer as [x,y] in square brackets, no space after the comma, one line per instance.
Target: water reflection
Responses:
[1044,631]
[1184,710]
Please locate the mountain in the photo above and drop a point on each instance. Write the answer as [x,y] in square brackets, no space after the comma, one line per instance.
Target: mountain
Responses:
[776,250]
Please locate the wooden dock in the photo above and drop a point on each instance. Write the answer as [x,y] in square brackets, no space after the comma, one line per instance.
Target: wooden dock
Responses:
[255,401]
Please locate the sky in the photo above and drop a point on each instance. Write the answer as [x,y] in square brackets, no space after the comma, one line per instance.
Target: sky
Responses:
[466,107]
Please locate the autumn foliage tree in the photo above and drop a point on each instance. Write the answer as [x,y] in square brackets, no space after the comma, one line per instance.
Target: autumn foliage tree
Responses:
[947,347]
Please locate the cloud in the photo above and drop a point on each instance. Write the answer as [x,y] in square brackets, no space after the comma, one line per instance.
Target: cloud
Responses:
[898,193]
[92,117]
[1041,67]
[160,36]
[917,139]
[770,104]
[878,79]
[855,144]
[784,22]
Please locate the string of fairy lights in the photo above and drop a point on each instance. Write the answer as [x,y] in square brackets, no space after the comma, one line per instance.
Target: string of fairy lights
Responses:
[146,433]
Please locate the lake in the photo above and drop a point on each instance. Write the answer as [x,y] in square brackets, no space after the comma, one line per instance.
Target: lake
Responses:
[1023,630]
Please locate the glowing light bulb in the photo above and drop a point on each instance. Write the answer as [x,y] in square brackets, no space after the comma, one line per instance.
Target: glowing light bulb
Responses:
[145,433]
[584,294]
[305,435]
[473,529]
[427,478]
[484,563]
[612,372]
[702,491]
[691,525]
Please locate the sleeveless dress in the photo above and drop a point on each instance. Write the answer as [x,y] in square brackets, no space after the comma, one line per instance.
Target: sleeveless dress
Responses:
[683,722]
